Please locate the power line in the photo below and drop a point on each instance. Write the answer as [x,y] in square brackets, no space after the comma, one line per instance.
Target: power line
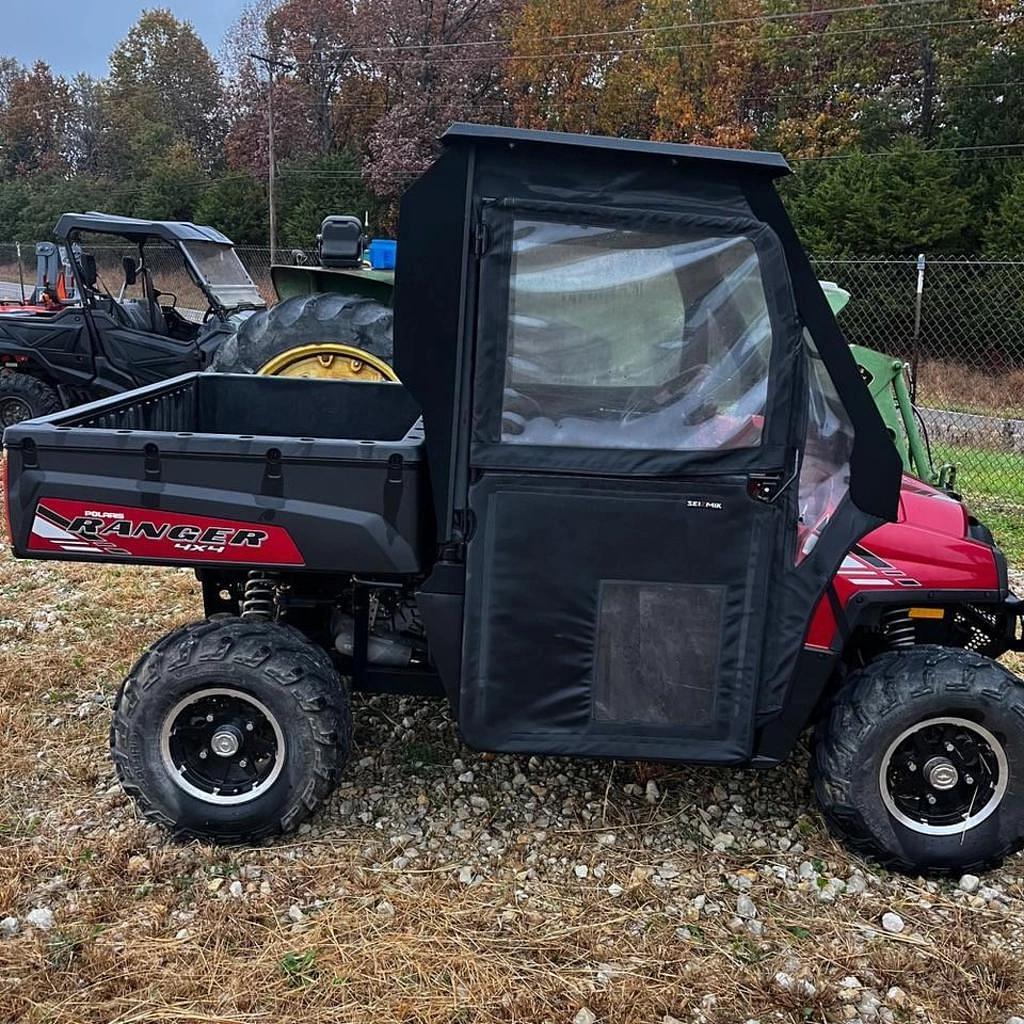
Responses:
[682,47]
[894,152]
[723,22]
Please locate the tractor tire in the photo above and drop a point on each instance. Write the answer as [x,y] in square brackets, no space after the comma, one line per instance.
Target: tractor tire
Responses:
[306,320]
[919,761]
[231,731]
[24,397]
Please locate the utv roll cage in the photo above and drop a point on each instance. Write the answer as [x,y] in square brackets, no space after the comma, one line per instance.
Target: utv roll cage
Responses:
[223,297]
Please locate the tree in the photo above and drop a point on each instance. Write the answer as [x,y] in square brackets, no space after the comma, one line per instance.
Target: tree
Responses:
[173,187]
[34,122]
[441,61]
[314,189]
[1005,232]
[901,203]
[164,89]
[237,205]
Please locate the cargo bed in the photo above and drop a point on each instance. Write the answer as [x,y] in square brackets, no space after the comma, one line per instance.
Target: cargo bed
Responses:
[225,469]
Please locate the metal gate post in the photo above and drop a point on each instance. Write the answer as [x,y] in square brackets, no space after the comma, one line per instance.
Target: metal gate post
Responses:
[916,352]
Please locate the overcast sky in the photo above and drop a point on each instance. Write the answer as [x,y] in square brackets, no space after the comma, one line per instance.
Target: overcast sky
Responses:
[78,35]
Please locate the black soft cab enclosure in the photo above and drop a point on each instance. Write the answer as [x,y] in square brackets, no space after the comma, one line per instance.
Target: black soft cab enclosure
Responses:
[659,451]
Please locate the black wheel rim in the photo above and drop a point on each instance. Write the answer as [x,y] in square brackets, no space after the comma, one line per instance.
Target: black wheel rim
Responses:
[13,410]
[943,776]
[222,746]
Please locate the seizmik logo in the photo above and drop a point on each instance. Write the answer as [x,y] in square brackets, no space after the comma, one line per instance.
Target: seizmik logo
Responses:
[97,529]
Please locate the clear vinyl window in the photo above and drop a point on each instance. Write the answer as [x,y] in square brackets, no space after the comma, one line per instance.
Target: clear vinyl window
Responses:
[825,471]
[620,338]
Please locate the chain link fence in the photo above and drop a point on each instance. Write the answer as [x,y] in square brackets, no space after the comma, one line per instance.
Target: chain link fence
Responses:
[958,321]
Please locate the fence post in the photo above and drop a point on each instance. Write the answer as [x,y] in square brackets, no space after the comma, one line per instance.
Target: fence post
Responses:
[915,354]
[21,272]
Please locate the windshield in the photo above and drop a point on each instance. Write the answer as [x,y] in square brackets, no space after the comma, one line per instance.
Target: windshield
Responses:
[221,271]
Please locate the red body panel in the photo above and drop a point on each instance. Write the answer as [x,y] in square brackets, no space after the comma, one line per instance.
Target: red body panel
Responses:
[927,548]
[75,527]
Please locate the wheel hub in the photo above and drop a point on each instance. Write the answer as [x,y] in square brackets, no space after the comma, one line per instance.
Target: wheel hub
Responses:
[226,741]
[13,410]
[943,776]
[941,773]
[222,746]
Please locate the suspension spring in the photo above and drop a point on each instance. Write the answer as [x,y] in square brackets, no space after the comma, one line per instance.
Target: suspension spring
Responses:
[898,628]
[260,598]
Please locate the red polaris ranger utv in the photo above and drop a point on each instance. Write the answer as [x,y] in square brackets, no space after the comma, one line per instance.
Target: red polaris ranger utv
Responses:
[630,499]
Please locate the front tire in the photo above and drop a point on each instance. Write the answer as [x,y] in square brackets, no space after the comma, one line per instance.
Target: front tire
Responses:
[919,761]
[231,731]
[24,397]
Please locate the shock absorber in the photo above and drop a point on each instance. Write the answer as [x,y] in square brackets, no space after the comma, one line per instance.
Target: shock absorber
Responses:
[898,628]
[259,600]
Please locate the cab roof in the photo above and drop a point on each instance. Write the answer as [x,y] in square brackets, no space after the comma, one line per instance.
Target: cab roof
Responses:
[773,165]
[135,227]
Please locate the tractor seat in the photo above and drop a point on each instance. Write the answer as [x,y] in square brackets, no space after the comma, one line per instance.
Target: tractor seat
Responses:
[135,313]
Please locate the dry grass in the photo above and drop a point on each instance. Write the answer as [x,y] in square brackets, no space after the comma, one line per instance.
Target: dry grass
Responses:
[413,946]
[962,388]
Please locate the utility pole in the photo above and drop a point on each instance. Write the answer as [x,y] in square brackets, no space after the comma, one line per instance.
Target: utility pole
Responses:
[271,64]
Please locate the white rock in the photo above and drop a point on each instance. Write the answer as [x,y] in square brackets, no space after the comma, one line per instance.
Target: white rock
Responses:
[969,883]
[41,918]
[615,889]
[295,913]
[8,927]
[855,885]
[669,1019]
[898,997]
[181,933]
[668,872]
[606,839]
[466,875]
[236,889]
[581,871]
[585,1015]
[892,923]
[386,909]
[745,907]
[652,792]
[1015,1020]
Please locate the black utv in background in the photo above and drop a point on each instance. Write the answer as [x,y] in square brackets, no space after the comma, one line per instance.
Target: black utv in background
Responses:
[179,296]
[104,342]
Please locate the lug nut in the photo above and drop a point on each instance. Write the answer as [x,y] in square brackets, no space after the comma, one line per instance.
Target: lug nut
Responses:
[202,754]
[931,799]
[242,763]
[248,726]
[209,718]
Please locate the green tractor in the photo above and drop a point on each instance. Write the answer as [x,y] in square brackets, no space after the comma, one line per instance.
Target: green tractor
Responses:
[887,380]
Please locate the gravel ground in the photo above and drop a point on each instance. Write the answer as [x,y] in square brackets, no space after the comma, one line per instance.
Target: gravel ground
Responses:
[443,884]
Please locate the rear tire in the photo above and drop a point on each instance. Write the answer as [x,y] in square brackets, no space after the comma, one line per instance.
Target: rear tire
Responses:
[919,761]
[24,397]
[306,320]
[231,731]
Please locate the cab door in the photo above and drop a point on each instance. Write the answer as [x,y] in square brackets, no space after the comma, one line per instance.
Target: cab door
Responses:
[638,424]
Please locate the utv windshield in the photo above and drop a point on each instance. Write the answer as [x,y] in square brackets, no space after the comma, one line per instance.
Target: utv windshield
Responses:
[221,272]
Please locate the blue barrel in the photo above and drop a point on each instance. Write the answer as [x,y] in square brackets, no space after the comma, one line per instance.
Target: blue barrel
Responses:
[381,253]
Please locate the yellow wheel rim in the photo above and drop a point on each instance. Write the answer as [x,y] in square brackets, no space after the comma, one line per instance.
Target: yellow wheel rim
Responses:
[330,360]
